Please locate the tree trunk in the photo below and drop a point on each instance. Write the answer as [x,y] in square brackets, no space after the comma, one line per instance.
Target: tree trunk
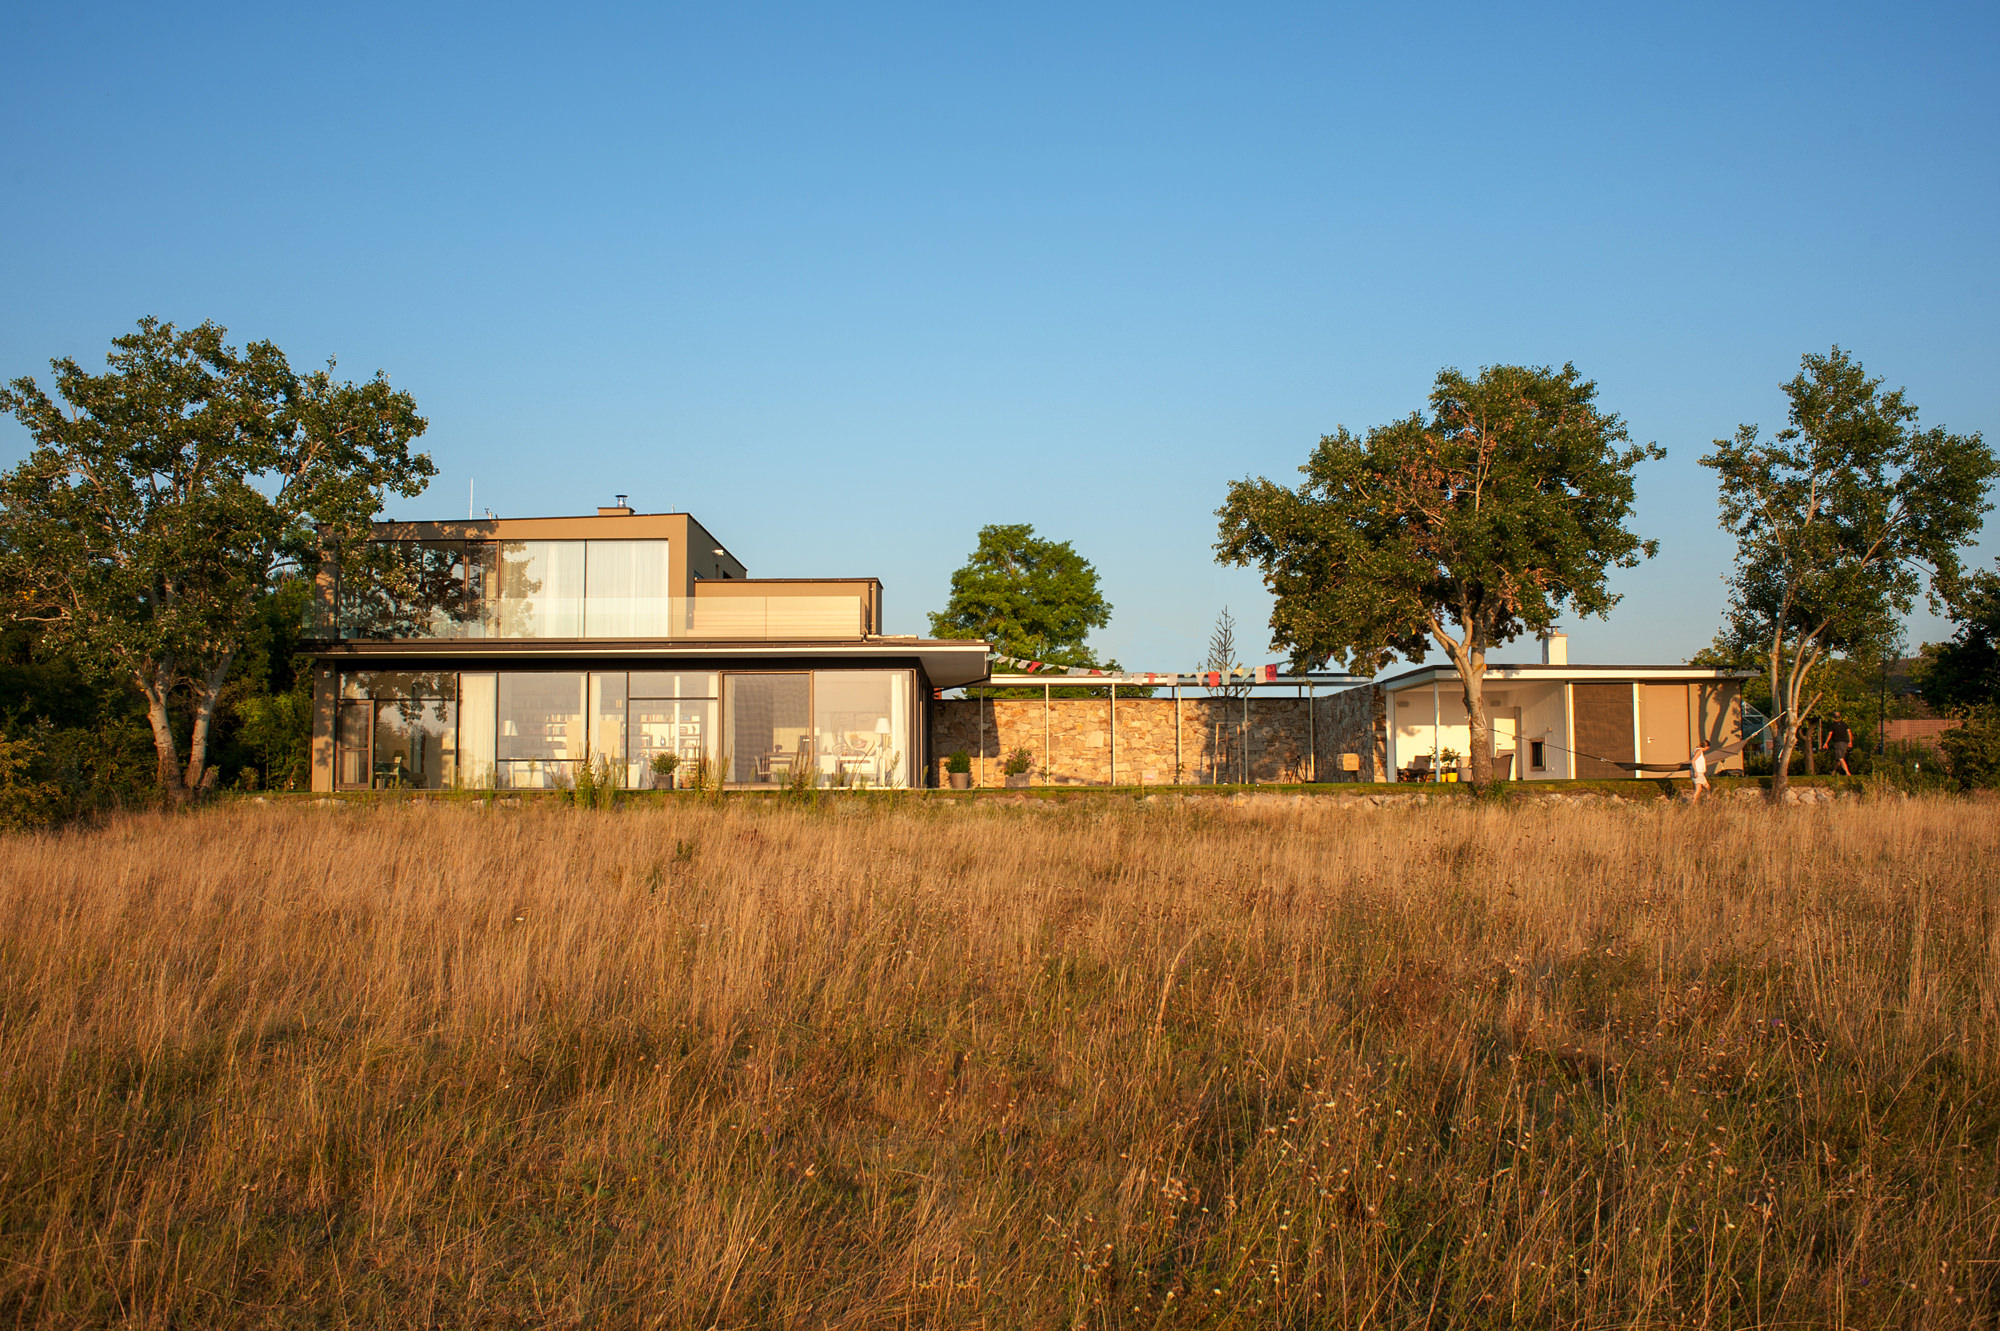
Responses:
[167,757]
[1781,730]
[1471,665]
[1481,726]
[204,715]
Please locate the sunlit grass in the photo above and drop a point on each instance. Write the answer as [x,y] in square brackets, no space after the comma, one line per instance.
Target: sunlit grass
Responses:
[1101,1063]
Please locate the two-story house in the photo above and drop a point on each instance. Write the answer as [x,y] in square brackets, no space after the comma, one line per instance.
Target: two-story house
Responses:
[508,652]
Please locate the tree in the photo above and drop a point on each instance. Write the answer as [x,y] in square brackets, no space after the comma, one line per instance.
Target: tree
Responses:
[1965,671]
[1029,597]
[1504,505]
[165,498]
[1222,657]
[1839,521]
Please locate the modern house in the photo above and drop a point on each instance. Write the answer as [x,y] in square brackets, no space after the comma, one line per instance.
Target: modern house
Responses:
[1556,721]
[508,652]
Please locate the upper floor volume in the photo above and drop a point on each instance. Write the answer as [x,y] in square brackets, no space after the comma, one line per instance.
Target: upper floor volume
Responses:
[617,575]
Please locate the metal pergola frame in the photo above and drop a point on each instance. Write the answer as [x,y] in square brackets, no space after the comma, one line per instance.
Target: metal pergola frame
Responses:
[1305,684]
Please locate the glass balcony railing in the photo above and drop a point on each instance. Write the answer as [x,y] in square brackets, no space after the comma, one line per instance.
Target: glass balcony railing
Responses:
[722,618]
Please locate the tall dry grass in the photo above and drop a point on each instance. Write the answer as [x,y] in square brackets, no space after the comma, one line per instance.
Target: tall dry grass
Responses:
[1102,1064]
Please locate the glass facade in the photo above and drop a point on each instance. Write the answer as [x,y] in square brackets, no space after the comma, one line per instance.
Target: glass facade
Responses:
[532,729]
[450,590]
[770,726]
[397,729]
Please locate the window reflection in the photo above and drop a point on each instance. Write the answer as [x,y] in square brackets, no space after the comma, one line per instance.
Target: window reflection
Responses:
[533,589]
[396,729]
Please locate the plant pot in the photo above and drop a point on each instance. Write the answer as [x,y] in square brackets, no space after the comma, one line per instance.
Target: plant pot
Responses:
[1017,781]
[960,780]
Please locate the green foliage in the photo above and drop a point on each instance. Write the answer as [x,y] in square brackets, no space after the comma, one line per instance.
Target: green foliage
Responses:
[1032,598]
[1837,519]
[1027,596]
[959,761]
[1972,751]
[278,728]
[663,767]
[1965,672]
[1502,507]
[1019,763]
[25,801]
[165,498]
[1906,765]
[596,785]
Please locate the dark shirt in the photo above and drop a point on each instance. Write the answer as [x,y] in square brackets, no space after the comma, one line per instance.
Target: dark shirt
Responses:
[1838,733]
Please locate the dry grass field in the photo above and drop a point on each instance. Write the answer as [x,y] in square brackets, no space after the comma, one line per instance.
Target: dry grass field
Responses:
[922,1063]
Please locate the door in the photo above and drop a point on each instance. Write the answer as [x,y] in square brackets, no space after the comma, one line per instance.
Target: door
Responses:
[354,730]
[1663,722]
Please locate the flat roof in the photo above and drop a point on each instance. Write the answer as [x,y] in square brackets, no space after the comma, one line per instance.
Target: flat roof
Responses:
[949,662]
[1609,673]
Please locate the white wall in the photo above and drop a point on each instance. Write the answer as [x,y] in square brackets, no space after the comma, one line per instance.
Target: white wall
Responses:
[1543,717]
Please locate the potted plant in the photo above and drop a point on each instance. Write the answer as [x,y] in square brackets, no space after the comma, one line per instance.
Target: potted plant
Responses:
[663,770]
[1019,763]
[1448,758]
[958,768]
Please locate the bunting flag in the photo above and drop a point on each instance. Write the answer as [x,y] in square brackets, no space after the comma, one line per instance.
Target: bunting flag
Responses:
[1212,679]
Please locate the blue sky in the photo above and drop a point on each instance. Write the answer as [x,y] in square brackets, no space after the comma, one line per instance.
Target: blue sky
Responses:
[849,282]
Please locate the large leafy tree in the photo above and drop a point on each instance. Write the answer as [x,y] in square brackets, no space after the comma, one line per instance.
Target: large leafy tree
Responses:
[166,497]
[1840,520]
[1965,670]
[1032,598]
[1458,529]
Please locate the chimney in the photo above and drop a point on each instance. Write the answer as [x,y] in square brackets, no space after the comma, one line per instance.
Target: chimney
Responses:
[1555,649]
[621,509]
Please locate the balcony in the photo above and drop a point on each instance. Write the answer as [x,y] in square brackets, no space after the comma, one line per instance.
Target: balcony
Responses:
[719,618]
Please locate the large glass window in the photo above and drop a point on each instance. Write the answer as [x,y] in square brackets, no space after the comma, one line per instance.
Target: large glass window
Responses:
[533,589]
[626,592]
[671,713]
[607,723]
[396,729]
[861,727]
[770,727]
[478,720]
[415,743]
[541,734]
[411,589]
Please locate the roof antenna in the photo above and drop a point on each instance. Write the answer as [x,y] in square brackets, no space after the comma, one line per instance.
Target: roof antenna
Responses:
[471,507]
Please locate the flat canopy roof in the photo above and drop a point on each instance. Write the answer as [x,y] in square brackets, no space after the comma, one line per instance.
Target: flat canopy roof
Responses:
[1552,674]
[1192,678]
[949,663]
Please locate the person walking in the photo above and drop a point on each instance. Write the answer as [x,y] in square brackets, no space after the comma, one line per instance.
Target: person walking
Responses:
[1698,765]
[1839,739]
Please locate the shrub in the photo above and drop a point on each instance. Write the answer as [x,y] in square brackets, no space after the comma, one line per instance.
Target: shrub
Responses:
[1972,751]
[663,766]
[596,785]
[1019,763]
[959,761]
[25,801]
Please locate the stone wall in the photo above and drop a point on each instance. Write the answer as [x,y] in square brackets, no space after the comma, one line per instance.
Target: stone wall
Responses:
[1158,742]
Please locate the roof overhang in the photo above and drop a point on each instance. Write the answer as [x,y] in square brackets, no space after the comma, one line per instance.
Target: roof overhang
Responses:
[1563,674]
[947,663]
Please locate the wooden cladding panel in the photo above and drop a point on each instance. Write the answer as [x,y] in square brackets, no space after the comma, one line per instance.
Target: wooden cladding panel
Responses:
[1603,728]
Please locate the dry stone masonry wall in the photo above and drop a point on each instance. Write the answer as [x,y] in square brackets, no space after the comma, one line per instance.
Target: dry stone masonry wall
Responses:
[1161,742]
